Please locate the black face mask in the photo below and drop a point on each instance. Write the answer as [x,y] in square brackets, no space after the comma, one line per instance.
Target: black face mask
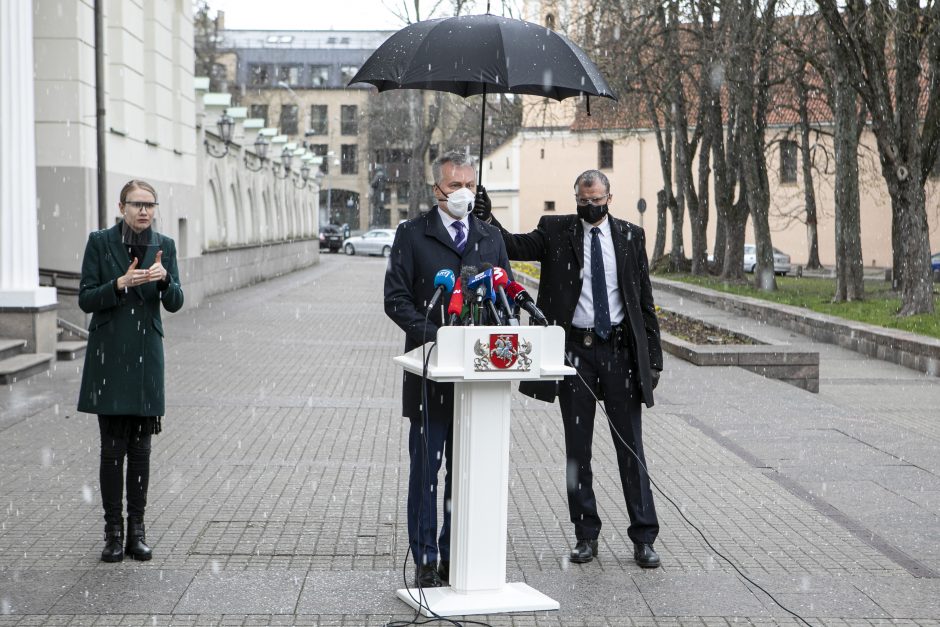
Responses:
[592,213]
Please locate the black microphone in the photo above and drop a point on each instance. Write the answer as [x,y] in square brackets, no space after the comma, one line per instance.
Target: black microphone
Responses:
[466,276]
[524,300]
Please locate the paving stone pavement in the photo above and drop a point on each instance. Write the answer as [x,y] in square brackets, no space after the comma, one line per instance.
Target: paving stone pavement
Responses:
[278,486]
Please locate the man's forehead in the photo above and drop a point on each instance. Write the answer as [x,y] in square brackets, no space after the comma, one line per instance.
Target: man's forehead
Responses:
[595,184]
[453,171]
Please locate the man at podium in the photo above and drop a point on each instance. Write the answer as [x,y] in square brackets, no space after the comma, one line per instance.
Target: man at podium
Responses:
[595,283]
[446,237]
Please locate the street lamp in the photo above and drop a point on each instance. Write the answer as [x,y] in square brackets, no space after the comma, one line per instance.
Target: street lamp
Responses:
[225,124]
[286,156]
[260,154]
[304,175]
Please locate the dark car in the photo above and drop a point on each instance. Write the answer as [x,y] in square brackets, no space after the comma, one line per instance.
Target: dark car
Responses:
[935,266]
[331,237]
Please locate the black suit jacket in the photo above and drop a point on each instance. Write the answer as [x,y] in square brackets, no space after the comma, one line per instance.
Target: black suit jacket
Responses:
[558,243]
[422,247]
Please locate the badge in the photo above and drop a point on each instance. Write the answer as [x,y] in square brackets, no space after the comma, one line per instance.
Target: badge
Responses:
[588,340]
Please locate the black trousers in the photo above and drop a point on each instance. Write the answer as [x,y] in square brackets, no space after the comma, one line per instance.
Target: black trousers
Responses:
[608,369]
[133,443]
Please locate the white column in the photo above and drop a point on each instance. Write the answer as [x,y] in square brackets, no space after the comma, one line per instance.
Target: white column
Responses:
[19,258]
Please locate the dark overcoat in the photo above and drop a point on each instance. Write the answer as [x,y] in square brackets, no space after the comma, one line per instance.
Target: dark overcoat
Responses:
[423,246]
[558,243]
[123,373]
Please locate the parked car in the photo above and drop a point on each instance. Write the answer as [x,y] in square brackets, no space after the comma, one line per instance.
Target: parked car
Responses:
[935,267]
[331,237]
[374,242]
[781,260]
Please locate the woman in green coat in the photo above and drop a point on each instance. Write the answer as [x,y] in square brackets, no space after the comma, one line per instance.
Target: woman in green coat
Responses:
[128,271]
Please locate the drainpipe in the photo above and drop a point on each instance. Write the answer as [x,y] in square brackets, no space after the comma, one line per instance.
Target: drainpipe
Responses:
[99,115]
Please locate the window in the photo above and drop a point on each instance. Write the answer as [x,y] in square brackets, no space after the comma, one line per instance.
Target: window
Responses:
[404,190]
[319,122]
[319,75]
[787,161]
[320,150]
[935,170]
[289,74]
[549,205]
[347,72]
[349,159]
[259,111]
[605,154]
[433,152]
[541,153]
[259,75]
[349,119]
[550,21]
[289,119]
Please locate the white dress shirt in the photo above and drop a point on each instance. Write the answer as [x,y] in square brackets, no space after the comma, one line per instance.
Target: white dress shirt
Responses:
[584,312]
[449,224]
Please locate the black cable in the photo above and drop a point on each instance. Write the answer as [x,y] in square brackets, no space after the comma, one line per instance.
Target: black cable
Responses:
[676,506]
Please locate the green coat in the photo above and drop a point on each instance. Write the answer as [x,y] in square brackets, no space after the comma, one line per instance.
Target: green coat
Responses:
[123,373]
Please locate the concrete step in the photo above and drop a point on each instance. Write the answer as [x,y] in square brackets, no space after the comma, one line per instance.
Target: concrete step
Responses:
[10,347]
[70,350]
[19,367]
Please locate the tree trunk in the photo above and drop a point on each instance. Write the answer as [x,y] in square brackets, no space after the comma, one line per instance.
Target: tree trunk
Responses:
[809,191]
[849,281]
[914,235]
[660,246]
[735,229]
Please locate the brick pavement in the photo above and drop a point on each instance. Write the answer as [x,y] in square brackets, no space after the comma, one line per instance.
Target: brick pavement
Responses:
[277,490]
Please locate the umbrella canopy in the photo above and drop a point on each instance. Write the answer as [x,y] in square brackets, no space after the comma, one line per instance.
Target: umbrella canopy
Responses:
[480,54]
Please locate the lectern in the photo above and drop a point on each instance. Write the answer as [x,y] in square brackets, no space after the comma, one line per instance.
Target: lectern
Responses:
[482,362]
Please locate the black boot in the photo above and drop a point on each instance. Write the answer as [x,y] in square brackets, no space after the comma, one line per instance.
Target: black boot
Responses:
[136,545]
[113,543]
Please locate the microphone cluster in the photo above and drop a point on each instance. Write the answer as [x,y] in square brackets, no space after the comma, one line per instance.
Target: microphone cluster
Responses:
[484,297]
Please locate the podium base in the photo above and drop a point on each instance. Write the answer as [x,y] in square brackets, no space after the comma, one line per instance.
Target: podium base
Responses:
[512,597]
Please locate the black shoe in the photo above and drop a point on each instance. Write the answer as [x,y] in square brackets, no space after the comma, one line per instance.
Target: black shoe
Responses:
[136,544]
[113,543]
[584,552]
[426,576]
[645,556]
[443,571]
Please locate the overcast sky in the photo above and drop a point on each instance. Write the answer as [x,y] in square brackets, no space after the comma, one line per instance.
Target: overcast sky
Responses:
[324,14]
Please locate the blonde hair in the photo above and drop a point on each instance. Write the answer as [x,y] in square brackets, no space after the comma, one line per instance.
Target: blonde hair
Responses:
[137,184]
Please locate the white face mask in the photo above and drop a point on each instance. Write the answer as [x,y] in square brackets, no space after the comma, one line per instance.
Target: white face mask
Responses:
[460,203]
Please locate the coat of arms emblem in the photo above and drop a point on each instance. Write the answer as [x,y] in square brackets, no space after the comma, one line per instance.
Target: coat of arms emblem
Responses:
[503,352]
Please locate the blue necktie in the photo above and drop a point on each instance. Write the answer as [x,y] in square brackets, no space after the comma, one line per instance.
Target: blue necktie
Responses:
[599,287]
[460,240]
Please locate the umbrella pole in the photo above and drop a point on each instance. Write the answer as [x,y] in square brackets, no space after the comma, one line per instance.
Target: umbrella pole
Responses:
[482,130]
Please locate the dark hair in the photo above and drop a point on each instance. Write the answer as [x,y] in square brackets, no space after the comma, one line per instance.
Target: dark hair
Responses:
[589,176]
[137,184]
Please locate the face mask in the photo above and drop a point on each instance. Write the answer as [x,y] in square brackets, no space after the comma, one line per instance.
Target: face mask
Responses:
[460,203]
[592,213]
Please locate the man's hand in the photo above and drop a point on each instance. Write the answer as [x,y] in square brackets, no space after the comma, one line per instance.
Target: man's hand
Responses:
[482,207]
[655,374]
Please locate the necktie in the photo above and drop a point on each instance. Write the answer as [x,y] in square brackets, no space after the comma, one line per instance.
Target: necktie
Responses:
[460,240]
[599,287]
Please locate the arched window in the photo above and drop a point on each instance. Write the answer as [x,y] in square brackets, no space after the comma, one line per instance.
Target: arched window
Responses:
[550,20]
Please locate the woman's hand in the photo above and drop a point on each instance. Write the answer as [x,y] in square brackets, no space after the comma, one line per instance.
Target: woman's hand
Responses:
[133,277]
[157,272]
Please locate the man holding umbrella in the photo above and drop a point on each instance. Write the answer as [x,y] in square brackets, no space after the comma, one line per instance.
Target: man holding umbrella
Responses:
[446,237]
[595,283]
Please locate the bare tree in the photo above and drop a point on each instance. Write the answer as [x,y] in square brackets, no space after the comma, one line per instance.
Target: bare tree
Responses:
[883,47]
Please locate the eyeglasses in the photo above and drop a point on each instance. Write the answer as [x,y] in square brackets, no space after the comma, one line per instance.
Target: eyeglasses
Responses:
[142,206]
[591,201]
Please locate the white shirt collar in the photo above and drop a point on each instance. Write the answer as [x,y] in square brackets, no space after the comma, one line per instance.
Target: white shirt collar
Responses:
[448,221]
[603,226]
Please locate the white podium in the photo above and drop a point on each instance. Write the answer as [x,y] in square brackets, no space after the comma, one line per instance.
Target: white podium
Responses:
[482,362]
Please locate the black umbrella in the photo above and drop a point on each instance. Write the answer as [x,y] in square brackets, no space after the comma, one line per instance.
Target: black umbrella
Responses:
[481,54]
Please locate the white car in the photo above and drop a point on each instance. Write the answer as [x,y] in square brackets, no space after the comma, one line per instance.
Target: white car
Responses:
[781,260]
[374,242]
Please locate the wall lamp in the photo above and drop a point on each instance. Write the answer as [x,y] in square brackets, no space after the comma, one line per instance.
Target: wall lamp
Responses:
[260,154]
[225,124]
[304,176]
[286,156]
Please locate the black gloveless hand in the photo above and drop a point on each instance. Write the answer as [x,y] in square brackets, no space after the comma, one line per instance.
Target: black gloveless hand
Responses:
[482,207]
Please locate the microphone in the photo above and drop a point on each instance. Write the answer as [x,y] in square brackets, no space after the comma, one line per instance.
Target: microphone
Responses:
[500,281]
[466,274]
[485,295]
[522,298]
[455,308]
[443,282]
